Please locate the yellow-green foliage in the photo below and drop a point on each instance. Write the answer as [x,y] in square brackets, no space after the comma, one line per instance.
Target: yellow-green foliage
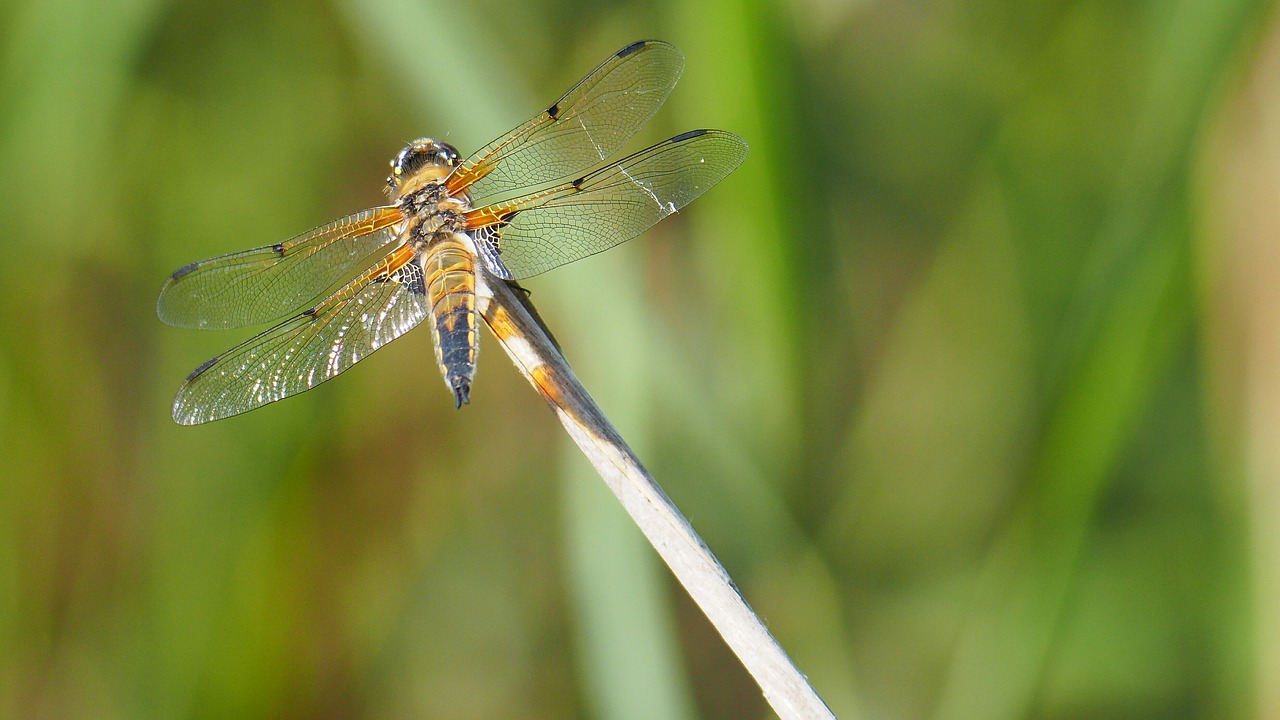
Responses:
[969,374]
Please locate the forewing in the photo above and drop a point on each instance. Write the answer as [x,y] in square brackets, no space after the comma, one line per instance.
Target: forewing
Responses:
[580,130]
[267,283]
[304,351]
[534,234]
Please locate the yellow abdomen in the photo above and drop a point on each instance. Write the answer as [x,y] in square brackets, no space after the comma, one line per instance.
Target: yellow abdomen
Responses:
[449,270]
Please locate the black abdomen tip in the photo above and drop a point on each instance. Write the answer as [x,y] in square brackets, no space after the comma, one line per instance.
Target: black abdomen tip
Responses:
[462,392]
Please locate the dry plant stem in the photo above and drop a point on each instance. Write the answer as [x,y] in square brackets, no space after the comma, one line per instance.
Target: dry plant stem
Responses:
[785,688]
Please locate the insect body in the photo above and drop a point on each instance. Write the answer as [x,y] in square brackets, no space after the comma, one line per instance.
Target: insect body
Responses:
[539,197]
[442,253]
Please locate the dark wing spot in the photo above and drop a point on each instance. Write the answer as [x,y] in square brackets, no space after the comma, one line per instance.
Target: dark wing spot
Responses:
[489,244]
[414,281]
[203,366]
[577,184]
[687,135]
[554,111]
[278,248]
[309,312]
[632,48]
[184,270]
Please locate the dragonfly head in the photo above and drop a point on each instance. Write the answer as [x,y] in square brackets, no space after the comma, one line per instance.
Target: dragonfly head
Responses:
[423,161]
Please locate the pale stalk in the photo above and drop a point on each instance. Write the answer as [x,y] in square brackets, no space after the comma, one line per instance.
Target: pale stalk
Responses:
[784,687]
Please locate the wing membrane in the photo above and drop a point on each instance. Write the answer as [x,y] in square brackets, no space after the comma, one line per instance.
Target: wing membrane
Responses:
[266,283]
[304,351]
[580,130]
[534,234]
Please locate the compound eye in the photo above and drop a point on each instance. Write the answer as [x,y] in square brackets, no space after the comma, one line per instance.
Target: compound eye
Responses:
[408,162]
[448,154]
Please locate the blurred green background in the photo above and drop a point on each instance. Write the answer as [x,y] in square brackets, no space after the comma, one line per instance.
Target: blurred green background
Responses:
[970,375]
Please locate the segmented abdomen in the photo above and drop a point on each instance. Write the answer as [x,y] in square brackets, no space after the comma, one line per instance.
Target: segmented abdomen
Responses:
[451,286]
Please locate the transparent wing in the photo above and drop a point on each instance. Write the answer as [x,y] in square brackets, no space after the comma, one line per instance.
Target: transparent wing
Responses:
[267,283]
[304,351]
[580,130]
[536,233]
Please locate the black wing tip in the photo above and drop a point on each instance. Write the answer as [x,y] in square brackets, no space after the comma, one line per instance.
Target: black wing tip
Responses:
[203,367]
[183,271]
[182,413]
[639,45]
[724,135]
[633,47]
[461,393]
[689,135]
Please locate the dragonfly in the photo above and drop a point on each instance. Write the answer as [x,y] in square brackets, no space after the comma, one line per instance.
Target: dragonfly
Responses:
[540,196]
